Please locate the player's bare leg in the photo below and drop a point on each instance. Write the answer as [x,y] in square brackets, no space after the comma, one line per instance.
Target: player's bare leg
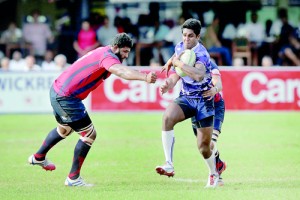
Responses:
[172,116]
[203,142]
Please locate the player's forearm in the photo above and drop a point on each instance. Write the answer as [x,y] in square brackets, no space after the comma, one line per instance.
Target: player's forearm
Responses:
[129,74]
[193,72]
[217,82]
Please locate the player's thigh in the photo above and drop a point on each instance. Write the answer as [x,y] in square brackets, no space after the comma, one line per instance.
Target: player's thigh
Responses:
[204,136]
[173,113]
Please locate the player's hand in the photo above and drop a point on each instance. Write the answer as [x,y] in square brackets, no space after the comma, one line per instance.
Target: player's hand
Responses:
[210,93]
[164,87]
[176,59]
[151,77]
[166,68]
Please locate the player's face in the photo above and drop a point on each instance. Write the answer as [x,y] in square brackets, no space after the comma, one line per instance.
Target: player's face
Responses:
[122,53]
[189,38]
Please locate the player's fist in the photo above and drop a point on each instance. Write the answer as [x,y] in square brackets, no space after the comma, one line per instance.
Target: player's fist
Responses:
[164,87]
[151,77]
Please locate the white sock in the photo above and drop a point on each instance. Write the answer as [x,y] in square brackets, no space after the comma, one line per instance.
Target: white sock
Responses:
[210,162]
[168,141]
[214,140]
[214,150]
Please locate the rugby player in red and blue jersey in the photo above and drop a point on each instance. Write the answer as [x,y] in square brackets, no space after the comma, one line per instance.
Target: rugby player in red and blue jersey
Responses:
[73,86]
[214,92]
[190,102]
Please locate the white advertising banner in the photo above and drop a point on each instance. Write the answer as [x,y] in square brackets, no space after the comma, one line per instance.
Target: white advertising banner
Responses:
[22,92]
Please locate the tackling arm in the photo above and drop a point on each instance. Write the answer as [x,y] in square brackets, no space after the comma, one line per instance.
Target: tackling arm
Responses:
[217,86]
[131,74]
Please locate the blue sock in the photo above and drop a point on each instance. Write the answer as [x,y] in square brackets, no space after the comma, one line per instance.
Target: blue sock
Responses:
[52,139]
[80,152]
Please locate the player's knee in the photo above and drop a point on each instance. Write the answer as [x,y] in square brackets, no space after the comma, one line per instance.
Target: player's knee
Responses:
[88,134]
[204,149]
[168,121]
[64,130]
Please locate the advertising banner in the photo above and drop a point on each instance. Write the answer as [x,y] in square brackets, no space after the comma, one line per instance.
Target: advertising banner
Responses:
[244,88]
[119,94]
[261,88]
[24,92]
[247,88]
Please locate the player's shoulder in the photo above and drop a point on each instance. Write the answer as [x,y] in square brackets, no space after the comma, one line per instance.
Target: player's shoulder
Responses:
[200,50]
[179,48]
[202,54]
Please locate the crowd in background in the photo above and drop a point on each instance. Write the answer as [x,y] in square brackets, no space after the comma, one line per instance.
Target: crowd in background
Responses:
[275,43]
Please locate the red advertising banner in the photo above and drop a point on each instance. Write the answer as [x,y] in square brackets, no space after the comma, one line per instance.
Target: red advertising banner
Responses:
[261,88]
[247,88]
[119,94]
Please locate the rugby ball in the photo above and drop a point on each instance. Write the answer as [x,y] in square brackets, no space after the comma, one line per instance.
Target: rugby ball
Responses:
[189,58]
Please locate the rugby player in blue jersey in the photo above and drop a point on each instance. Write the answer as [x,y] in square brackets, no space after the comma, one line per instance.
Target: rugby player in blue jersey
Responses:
[190,102]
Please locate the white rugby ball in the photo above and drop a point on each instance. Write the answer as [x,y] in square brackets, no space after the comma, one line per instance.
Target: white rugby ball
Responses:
[189,58]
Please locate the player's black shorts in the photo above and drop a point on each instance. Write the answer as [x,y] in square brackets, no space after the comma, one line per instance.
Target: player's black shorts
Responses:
[218,118]
[69,110]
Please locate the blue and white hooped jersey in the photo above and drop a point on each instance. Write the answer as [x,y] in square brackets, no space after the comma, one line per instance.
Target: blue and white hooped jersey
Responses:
[190,87]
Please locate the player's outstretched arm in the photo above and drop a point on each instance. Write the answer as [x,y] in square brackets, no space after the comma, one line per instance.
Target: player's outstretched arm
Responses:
[131,74]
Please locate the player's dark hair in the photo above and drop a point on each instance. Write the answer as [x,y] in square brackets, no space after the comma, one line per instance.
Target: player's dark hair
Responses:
[122,40]
[192,24]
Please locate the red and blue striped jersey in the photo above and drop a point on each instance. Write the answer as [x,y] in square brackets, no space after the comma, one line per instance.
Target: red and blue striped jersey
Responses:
[86,74]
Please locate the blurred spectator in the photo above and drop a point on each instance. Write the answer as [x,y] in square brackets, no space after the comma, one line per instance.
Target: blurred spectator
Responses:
[95,20]
[17,62]
[267,61]
[255,30]
[256,36]
[277,24]
[118,23]
[229,32]
[133,31]
[238,62]
[172,39]
[105,32]
[60,61]
[38,34]
[12,34]
[4,64]
[213,44]
[160,31]
[86,39]
[30,64]
[48,63]
[269,36]
[153,40]
[289,53]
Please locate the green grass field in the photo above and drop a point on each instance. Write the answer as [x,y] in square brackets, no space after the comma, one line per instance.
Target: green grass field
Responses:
[262,151]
